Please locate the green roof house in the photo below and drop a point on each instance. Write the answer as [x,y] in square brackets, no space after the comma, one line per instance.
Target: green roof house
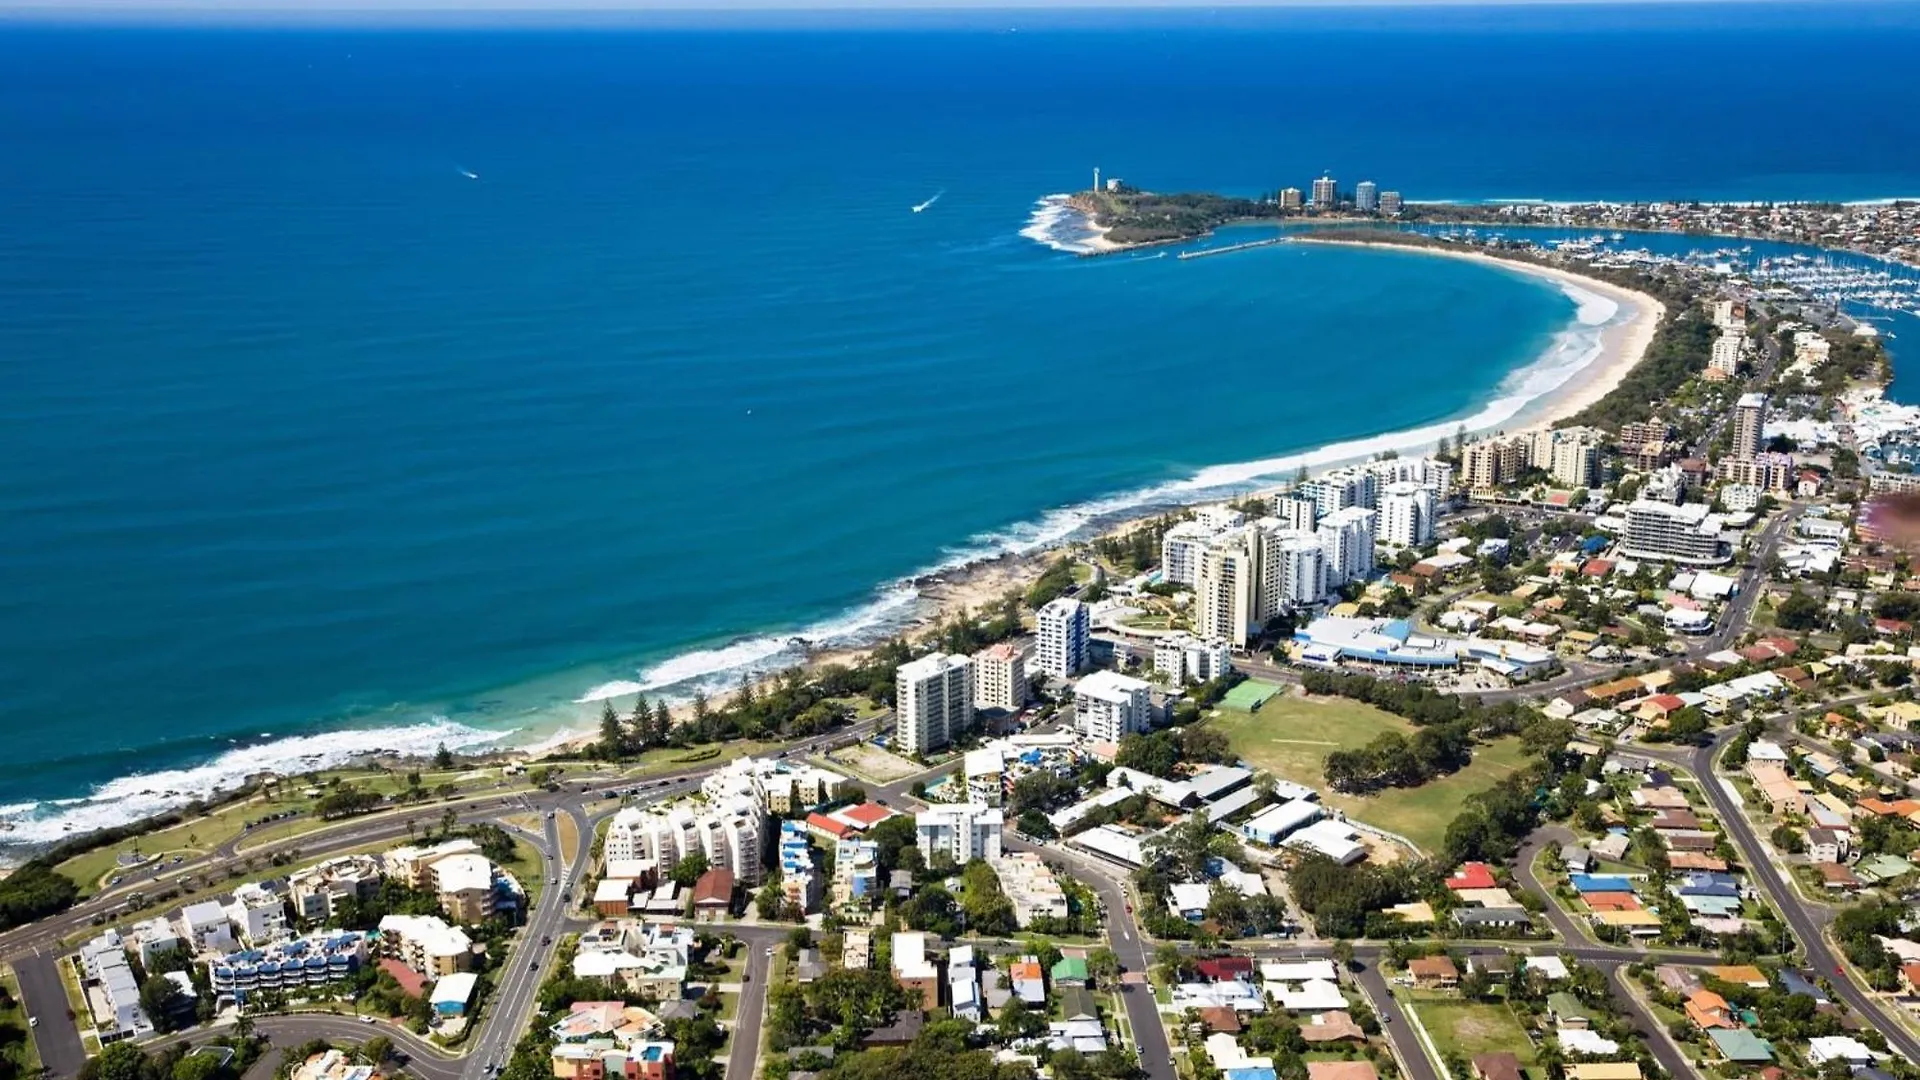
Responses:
[1070,971]
[1742,1047]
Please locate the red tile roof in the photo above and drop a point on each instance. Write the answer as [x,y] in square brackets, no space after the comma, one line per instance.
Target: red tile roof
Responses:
[867,814]
[1472,875]
[1223,968]
[839,830]
[714,886]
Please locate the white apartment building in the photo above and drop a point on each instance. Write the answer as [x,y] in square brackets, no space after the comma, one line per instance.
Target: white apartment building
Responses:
[1729,315]
[1033,890]
[1749,425]
[1406,515]
[153,938]
[1724,356]
[426,943]
[1183,657]
[1663,531]
[1575,460]
[933,702]
[207,927]
[1108,705]
[1346,541]
[1293,572]
[1296,512]
[1226,588]
[1218,518]
[1180,551]
[966,831]
[986,773]
[1063,627]
[1325,194]
[782,786]
[1366,196]
[728,832]
[1000,678]
[318,891]
[259,914]
[1354,485]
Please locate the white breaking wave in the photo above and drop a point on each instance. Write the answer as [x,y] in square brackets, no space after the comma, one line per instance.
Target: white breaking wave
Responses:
[1059,226]
[143,795]
[718,669]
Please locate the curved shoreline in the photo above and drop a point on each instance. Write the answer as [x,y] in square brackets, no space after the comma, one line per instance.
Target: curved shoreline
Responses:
[977,571]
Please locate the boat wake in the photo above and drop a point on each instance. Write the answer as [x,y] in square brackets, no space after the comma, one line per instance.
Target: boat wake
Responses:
[918,207]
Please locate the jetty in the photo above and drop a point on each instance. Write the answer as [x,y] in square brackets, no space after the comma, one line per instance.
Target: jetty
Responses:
[1230,248]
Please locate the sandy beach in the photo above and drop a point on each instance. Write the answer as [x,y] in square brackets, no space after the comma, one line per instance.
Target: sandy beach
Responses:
[1623,344]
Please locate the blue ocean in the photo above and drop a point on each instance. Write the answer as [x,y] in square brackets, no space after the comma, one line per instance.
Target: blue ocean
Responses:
[368,388]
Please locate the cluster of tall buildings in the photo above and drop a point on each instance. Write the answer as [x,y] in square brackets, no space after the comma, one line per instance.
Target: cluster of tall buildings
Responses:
[1570,456]
[1324,196]
[728,831]
[1316,539]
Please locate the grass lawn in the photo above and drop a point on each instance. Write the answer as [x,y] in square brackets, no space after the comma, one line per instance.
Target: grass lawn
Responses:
[1291,736]
[568,832]
[673,758]
[1468,1028]
[26,1055]
[90,869]
[525,867]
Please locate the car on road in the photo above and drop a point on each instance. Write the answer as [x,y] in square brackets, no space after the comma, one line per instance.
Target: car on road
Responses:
[366,1019]
[33,1021]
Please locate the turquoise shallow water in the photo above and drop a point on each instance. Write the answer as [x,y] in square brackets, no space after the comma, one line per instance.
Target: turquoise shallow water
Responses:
[373,389]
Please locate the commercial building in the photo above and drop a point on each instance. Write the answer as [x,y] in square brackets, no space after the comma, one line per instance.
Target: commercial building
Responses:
[1684,534]
[1346,542]
[1406,515]
[1000,678]
[1366,196]
[1326,195]
[1064,629]
[965,831]
[933,702]
[727,831]
[1749,425]
[1108,705]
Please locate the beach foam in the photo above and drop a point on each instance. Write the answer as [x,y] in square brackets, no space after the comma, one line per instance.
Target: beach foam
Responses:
[142,795]
[719,668]
[1060,227]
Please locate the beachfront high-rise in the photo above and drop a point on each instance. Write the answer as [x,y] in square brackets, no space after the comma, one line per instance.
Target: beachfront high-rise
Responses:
[1662,531]
[1180,552]
[1366,196]
[1406,515]
[1290,198]
[1294,571]
[1749,425]
[1064,628]
[933,702]
[1574,459]
[1346,539]
[1296,511]
[1000,678]
[1326,195]
[1723,359]
[1225,589]
[1108,706]
[1391,203]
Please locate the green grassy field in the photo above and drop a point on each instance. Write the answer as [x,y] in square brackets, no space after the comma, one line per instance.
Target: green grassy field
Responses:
[1291,736]
[24,1054]
[1468,1028]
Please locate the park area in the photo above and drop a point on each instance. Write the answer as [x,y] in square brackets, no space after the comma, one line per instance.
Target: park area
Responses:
[1291,735]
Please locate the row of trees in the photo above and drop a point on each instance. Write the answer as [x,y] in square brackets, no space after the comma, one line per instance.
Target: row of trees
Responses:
[1393,759]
